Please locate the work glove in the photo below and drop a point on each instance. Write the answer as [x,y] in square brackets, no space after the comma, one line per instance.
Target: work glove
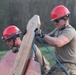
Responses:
[39,33]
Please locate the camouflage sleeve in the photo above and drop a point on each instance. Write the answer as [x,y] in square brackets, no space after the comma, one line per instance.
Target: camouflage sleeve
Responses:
[42,60]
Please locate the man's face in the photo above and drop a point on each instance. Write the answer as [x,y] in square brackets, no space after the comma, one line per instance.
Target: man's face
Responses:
[60,23]
[9,42]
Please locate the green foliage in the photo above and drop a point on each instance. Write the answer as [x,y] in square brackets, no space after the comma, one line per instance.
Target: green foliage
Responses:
[2,53]
[47,54]
[19,12]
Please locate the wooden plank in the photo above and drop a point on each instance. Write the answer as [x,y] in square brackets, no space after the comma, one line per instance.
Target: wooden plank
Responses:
[25,48]
[33,68]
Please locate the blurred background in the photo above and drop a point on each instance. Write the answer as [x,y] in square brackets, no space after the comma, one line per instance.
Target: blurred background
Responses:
[19,12]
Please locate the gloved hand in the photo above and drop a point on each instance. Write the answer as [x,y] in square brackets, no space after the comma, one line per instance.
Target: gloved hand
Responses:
[39,33]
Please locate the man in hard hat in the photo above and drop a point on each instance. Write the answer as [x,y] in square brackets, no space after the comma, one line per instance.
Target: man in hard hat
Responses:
[12,37]
[63,38]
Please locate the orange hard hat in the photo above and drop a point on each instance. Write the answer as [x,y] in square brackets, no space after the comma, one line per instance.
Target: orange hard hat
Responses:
[10,32]
[58,12]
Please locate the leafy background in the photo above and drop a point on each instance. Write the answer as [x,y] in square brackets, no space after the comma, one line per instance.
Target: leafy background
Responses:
[19,12]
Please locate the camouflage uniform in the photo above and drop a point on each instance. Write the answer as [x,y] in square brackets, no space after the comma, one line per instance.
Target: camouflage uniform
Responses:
[58,70]
[45,66]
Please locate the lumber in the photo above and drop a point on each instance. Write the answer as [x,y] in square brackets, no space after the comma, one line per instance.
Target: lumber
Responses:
[33,68]
[25,48]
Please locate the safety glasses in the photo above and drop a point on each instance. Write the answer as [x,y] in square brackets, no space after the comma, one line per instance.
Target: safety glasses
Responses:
[8,40]
[57,20]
